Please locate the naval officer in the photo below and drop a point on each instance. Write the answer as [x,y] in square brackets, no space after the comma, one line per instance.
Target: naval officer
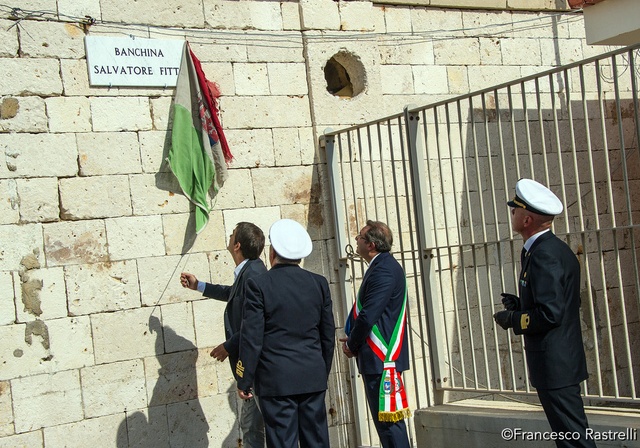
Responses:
[547,312]
[287,342]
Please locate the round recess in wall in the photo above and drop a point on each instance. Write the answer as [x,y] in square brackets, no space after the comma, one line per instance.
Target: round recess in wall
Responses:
[345,75]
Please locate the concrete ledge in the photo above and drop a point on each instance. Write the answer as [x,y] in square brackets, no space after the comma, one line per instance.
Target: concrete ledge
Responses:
[481,424]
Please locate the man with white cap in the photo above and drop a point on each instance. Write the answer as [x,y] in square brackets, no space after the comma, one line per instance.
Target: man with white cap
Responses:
[547,313]
[287,341]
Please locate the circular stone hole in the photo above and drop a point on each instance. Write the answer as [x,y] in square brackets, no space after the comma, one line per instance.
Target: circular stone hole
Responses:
[345,75]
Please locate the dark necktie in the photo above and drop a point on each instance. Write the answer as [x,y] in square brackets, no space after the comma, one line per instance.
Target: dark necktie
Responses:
[522,255]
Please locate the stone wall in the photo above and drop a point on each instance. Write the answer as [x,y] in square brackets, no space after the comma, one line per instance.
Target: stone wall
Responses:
[100,344]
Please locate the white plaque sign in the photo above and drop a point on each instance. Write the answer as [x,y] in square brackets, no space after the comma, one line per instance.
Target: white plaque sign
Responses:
[129,61]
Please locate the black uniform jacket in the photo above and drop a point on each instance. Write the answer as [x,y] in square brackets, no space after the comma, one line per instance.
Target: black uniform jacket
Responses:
[234,295]
[381,295]
[550,314]
[288,333]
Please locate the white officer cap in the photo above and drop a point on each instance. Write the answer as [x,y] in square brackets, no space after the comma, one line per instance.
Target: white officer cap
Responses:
[290,240]
[536,198]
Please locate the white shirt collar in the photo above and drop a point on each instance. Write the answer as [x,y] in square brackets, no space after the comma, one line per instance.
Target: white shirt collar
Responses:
[238,268]
[532,239]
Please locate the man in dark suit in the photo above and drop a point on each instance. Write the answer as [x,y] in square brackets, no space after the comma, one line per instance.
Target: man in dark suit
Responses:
[380,308]
[245,246]
[287,343]
[547,312]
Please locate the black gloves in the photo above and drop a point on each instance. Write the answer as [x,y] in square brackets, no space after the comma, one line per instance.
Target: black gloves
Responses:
[504,319]
[510,302]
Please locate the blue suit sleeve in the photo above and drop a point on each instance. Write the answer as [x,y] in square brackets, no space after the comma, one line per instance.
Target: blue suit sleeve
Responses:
[251,336]
[327,327]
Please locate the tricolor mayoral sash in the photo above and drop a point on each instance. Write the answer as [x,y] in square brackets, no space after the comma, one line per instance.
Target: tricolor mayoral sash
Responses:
[393,405]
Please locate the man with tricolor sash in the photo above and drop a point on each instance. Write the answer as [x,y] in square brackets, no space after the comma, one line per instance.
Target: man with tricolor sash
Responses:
[376,334]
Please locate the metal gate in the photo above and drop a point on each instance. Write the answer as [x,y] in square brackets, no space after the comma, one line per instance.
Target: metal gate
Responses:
[441,175]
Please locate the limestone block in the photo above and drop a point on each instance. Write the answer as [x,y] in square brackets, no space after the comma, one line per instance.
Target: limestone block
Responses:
[309,148]
[180,237]
[69,114]
[244,15]
[542,25]
[41,295]
[38,199]
[490,51]
[561,51]
[21,246]
[25,76]
[397,79]
[553,5]
[145,427]
[430,79]
[486,76]
[94,288]
[23,350]
[154,148]
[170,13]
[157,194]
[479,22]
[107,114]
[265,47]
[10,202]
[94,432]
[38,5]
[460,51]
[319,15]
[221,265]
[263,217]
[160,278]
[177,321]
[122,156]
[297,185]
[220,52]
[71,345]
[125,335]
[362,62]
[288,79]
[6,412]
[237,191]
[358,16]
[209,323]
[75,243]
[7,305]
[290,16]
[397,19]
[22,114]
[26,440]
[458,80]
[249,112]
[488,4]
[222,425]
[310,216]
[444,22]
[521,52]
[135,237]
[94,197]
[160,112]
[46,400]
[113,388]
[251,148]
[172,378]
[8,39]
[39,155]
[287,147]
[51,40]
[79,9]
[406,50]
[222,74]
[576,30]
[251,79]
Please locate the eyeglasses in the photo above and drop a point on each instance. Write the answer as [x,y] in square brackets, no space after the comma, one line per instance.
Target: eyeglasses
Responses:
[360,237]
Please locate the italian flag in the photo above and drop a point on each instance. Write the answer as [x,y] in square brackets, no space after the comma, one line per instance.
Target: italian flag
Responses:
[199,152]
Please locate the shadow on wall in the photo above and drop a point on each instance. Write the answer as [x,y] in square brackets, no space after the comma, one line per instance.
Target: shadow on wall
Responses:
[175,416]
